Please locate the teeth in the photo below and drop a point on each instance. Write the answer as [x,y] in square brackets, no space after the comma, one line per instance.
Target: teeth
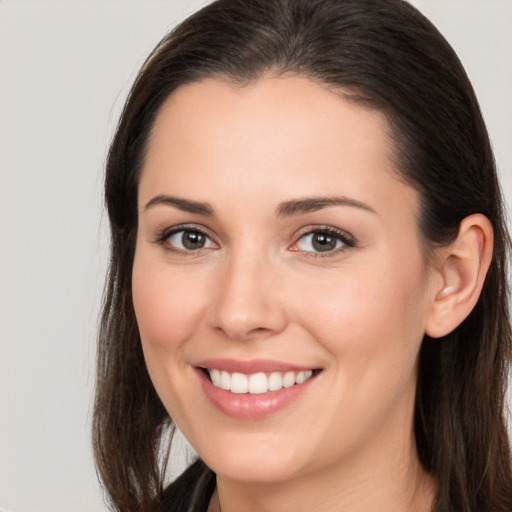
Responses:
[275,381]
[288,379]
[239,383]
[256,383]
[225,381]
[216,378]
[301,377]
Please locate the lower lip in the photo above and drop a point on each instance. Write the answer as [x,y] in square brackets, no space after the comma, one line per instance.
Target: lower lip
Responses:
[252,407]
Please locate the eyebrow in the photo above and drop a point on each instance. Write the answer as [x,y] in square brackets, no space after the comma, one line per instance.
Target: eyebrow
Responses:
[313,204]
[185,205]
[284,209]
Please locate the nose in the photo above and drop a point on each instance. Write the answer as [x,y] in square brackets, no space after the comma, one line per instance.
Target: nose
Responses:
[249,302]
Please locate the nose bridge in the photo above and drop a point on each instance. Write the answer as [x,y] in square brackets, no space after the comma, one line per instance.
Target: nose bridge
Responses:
[247,304]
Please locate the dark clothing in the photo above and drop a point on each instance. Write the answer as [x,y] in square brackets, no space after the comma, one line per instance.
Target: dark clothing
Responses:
[191,491]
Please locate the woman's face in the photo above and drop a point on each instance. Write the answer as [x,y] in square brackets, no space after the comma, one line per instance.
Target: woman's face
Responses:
[277,249]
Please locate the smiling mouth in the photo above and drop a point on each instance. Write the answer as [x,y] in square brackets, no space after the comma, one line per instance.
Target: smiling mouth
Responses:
[256,383]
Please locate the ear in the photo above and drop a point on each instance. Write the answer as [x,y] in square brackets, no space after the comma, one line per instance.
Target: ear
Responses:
[461,269]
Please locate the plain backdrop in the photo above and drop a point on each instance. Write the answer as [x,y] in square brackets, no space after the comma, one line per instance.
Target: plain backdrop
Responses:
[65,70]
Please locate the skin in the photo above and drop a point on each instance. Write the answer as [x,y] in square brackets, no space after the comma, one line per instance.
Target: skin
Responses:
[259,291]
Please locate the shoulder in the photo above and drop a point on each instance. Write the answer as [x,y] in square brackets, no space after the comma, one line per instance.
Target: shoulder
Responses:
[191,491]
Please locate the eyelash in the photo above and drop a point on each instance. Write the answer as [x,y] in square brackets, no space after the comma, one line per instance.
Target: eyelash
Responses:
[338,235]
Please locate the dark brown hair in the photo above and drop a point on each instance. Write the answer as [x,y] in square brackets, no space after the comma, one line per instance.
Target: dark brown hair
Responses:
[379,53]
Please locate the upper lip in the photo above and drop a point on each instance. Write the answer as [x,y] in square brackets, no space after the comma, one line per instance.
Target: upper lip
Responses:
[251,366]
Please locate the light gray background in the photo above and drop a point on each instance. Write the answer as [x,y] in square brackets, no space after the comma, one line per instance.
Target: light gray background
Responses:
[65,68]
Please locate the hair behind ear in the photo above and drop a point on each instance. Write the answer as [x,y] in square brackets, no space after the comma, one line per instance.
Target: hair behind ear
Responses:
[463,374]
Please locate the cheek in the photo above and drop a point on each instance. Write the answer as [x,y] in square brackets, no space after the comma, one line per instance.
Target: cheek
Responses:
[371,325]
[167,304]
[167,310]
[369,318]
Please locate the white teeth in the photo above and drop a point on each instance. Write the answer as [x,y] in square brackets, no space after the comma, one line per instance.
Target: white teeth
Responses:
[256,383]
[215,376]
[239,383]
[301,377]
[288,379]
[225,381]
[275,381]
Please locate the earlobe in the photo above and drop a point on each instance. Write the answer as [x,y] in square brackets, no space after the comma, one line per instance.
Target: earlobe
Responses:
[462,267]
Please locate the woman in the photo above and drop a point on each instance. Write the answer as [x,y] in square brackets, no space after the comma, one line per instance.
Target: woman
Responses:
[308,269]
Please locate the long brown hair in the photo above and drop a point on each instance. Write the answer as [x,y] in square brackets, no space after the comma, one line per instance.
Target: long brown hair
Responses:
[383,54]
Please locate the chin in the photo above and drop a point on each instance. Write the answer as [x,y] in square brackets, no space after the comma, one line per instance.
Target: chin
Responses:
[254,461]
[247,471]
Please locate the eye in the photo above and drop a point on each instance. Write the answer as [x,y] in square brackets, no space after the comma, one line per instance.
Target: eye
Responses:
[187,240]
[323,241]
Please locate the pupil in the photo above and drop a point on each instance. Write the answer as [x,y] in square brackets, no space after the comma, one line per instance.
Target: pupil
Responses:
[193,240]
[323,242]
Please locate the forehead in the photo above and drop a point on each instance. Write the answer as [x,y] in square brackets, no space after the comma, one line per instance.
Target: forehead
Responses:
[285,135]
[299,109]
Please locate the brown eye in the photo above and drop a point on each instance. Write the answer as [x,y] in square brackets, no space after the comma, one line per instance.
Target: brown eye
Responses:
[189,240]
[193,240]
[323,241]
